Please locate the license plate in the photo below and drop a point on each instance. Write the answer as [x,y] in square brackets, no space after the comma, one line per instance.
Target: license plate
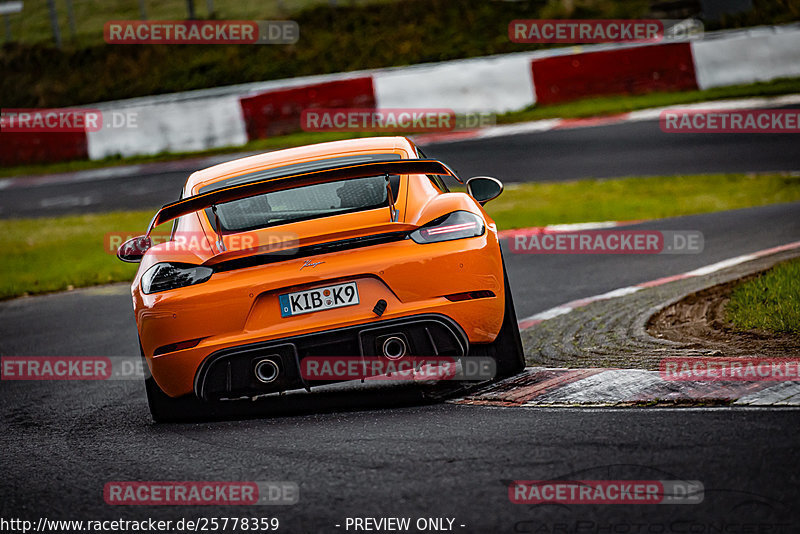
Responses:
[322,298]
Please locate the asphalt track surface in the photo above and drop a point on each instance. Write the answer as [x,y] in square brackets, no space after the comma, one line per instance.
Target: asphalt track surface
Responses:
[623,149]
[386,452]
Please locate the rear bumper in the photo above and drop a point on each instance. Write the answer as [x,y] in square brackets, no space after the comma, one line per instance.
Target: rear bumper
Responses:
[241,308]
[231,373]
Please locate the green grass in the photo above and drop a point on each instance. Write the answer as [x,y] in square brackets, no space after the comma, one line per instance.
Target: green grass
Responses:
[769,302]
[53,254]
[590,107]
[32,25]
[43,255]
[539,204]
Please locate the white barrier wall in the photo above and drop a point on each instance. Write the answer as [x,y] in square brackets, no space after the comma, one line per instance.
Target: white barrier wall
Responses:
[493,84]
[186,121]
[186,126]
[756,55]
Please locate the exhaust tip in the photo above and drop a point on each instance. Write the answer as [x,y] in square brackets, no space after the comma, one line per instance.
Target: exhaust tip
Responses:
[394,347]
[267,371]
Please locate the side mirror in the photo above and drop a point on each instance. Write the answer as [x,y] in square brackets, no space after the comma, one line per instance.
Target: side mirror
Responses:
[484,188]
[132,250]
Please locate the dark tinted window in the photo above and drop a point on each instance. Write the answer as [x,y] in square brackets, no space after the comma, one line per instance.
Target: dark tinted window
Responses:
[303,203]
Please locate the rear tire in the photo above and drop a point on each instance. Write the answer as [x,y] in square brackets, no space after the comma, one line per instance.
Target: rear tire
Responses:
[506,349]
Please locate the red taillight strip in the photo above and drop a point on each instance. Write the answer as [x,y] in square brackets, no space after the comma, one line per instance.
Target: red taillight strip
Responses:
[469,295]
[451,228]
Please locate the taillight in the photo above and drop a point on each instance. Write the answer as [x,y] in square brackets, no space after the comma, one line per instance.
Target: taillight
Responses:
[164,276]
[456,225]
[469,295]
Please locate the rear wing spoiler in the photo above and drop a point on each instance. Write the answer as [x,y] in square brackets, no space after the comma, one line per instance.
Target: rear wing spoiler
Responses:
[237,192]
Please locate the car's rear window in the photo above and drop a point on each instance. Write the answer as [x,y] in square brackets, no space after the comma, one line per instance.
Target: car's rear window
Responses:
[303,203]
[307,202]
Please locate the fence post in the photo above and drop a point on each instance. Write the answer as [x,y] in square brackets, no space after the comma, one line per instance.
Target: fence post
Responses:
[7,19]
[51,5]
[190,9]
[71,19]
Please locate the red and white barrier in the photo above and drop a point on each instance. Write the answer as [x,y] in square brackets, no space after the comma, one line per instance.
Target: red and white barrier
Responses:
[488,84]
[23,148]
[277,112]
[230,116]
[748,56]
[142,127]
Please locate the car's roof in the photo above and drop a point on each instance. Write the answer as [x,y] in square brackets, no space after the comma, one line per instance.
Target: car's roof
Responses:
[301,154]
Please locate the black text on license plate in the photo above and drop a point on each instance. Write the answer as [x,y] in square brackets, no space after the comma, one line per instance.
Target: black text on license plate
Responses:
[321,298]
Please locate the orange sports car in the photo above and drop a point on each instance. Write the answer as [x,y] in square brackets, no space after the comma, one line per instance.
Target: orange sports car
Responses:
[352,248]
